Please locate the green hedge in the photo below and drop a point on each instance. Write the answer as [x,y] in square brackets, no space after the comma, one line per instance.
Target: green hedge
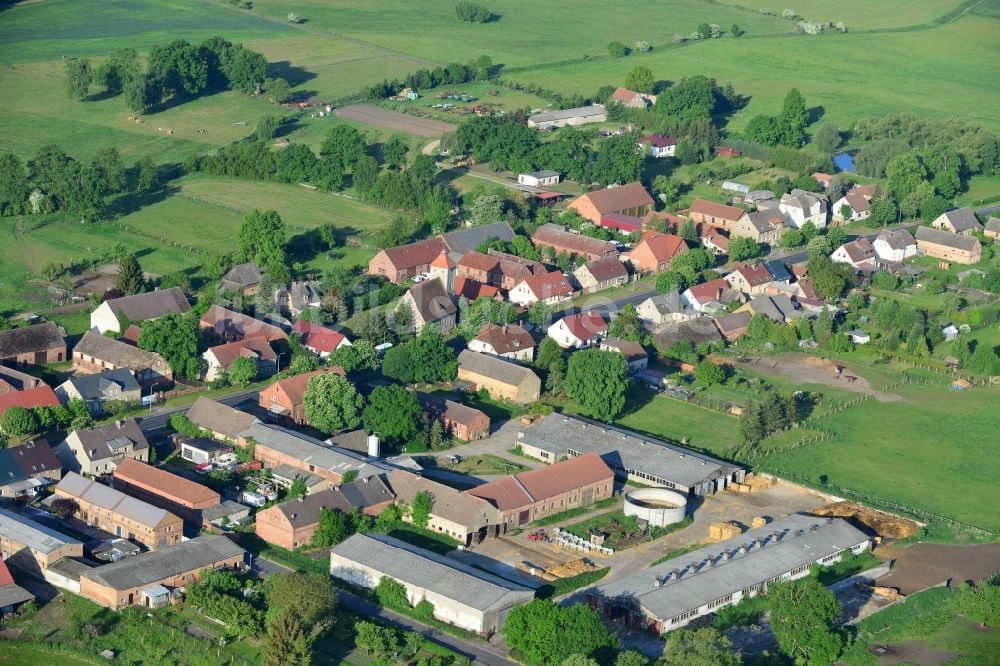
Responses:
[562,586]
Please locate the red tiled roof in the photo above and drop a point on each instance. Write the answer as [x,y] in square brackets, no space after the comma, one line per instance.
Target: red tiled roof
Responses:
[659,141]
[717,239]
[563,476]
[5,577]
[555,236]
[42,396]
[663,246]
[505,494]
[709,291]
[505,339]
[585,325]
[163,483]
[228,353]
[755,274]
[443,260]
[624,95]
[607,268]
[626,223]
[315,336]
[713,209]
[471,289]
[478,261]
[224,321]
[415,254]
[548,285]
[615,199]
[295,387]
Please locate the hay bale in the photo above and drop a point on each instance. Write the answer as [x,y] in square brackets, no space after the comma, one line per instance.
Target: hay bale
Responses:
[570,569]
[759,521]
[724,530]
[884,524]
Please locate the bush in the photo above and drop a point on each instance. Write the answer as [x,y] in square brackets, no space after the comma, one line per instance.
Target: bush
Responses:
[470,12]
[617,50]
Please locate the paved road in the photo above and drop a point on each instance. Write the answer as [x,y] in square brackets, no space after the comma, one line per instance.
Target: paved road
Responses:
[160,418]
[988,210]
[612,306]
[482,653]
[803,255]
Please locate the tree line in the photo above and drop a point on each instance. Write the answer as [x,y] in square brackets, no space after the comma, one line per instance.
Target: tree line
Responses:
[179,70]
[451,74]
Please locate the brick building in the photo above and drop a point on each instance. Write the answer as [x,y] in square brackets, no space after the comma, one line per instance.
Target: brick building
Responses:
[502,379]
[715,214]
[459,420]
[33,345]
[631,199]
[168,491]
[284,398]
[559,240]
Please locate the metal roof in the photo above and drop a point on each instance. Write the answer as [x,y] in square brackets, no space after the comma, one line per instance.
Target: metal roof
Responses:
[705,576]
[564,114]
[624,449]
[448,577]
[151,568]
[31,534]
[309,450]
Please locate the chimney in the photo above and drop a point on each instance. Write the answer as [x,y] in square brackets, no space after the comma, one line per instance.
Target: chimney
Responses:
[759,542]
[675,574]
[726,554]
[743,549]
[658,581]
[775,536]
[709,563]
[301,498]
[293,516]
[120,423]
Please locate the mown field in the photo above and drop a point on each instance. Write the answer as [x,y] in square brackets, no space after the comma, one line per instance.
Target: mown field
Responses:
[926,451]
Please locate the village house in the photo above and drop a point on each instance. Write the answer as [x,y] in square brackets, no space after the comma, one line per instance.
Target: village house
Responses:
[220,358]
[27,468]
[750,279]
[711,297]
[458,420]
[659,145]
[636,357]
[320,340]
[242,279]
[948,246]
[764,226]
[757,199]
[284,451]
[513,268]
[397,264]
[630,199]
[529,496]
[601,274]
[292,524]
[655,252]
[295,298]
[992,228]
[99,449]
[508,341]
[630,455]
[285,398]
[31,546]
[480,267]
[558,240]
[12,380]
[895,245]
[162,489]
[632,99]
[461,595]
[115,314]
[41,396]
[663,309]
[852,207]
[13,597]
[503,379]
[715,241]
[578,331]
[95,390]
[444,268]
[539,178]
[39,344]
[960,221]
[549,288]
[623,224]
[799,207]
[822,178]
[857,253]
[116,513]
[470,290]
[151,579]
[779,308]
[97,353]
[431,304]
[714,214]
[734,325]
[222,422]
[229,326]
[672,594]
[463,517]
[580,115]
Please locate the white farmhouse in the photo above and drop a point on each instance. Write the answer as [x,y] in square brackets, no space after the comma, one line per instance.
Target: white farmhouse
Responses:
[800,207]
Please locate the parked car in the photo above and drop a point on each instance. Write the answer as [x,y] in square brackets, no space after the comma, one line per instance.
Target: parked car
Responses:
[253,499]
[204,468]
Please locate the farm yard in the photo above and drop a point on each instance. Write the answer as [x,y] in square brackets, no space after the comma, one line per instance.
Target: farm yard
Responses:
[399,122]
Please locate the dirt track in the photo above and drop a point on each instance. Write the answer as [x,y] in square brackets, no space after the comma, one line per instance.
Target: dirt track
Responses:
[401,122]
[927,564]
[814,370]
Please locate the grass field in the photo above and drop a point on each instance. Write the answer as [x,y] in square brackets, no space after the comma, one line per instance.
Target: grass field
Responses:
[925,451]
[675,420]
[21,654]
[844,76]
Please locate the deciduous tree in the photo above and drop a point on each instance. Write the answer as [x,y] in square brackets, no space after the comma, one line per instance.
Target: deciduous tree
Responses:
[393,413]
[78,78]
[175,338]
[596,380]
[803,613]
[332,403]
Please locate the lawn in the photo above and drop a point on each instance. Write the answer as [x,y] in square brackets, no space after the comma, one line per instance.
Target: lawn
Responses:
[924,452]
[18,654]
[843,77]
[486,465]
[698,427]
[862,15]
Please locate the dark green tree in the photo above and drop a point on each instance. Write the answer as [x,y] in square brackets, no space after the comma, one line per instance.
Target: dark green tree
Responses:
[432,360]
[130,279]
[596,380]
[332,403]
[175,338]
[393,413]
[699,647]
[618,161]
[803,614]
[78,78]
[344,145]
[261,238]
[530,628]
